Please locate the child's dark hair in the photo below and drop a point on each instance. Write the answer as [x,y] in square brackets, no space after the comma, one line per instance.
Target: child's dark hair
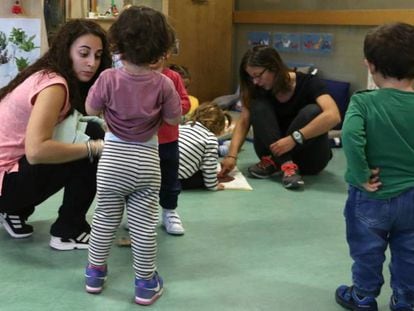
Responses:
[141,35]
[211,116]
[390,48]
[182,70]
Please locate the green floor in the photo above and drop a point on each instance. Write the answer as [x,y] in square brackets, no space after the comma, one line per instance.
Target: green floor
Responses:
[266,249]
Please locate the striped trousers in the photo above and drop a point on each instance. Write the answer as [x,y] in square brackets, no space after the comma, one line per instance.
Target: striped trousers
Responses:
[128,177]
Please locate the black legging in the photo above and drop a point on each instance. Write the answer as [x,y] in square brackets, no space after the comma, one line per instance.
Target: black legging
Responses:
[311,157]
[32,184]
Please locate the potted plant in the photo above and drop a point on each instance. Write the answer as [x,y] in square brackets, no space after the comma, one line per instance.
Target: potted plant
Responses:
[21,63]
[4,57]
[19,37]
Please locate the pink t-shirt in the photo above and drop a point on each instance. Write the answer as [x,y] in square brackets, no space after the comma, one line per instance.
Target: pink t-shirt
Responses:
[134,105]
[15,110]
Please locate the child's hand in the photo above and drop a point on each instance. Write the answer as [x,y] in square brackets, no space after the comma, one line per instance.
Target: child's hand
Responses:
[220,187]
[373,183]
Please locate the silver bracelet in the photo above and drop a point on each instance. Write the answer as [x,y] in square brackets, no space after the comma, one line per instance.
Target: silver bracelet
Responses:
[89,148]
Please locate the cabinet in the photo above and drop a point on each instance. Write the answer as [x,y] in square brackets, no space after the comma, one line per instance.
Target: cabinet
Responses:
[205,33]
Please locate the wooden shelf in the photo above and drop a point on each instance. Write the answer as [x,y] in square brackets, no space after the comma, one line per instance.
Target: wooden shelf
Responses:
[324,17]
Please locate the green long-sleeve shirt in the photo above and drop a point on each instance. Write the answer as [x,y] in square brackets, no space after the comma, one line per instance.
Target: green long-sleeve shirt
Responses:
[378,132]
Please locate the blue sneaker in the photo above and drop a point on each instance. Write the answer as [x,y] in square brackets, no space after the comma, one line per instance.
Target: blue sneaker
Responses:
[347,298]
[147,291]
[95,277]
[399,306]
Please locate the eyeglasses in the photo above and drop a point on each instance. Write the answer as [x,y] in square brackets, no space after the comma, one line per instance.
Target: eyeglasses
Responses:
[258,77]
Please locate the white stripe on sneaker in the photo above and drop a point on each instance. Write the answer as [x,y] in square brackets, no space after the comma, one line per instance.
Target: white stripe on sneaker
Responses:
[83,237]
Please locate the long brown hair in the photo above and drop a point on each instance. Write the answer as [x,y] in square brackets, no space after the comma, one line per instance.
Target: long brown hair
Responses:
[268,58]
[57,59]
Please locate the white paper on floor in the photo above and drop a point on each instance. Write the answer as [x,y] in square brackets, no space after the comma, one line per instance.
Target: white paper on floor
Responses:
[239,182]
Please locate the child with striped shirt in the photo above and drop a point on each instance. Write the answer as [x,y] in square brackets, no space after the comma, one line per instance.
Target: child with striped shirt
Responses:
[198,147]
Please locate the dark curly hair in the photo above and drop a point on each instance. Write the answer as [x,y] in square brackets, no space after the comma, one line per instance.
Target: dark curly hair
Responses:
[57,59]
[141,35]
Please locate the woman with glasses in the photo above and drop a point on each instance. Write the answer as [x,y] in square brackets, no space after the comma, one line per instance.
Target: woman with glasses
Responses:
[291,114]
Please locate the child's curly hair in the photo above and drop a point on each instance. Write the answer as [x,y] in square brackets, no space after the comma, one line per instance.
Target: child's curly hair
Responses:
[211,116]
[141,35]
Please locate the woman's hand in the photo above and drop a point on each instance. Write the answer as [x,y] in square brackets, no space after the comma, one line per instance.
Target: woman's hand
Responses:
[282,146]
[227,165]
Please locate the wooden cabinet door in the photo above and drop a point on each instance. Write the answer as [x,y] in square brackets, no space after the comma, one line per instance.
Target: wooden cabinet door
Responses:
[205,33]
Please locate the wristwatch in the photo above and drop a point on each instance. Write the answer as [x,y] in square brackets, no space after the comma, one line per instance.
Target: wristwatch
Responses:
[298,137]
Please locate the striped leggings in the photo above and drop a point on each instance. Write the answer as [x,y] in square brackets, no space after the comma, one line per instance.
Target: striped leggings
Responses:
[128,176]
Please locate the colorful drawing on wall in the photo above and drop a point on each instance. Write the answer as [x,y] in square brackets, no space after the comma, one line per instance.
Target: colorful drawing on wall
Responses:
[19,46]
[258,38]
[320,43]
[286,42]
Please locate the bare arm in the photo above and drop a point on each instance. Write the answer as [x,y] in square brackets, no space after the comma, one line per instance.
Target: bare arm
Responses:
[39,146]
[174,121]
[237,140]
[325,121]
[92,112]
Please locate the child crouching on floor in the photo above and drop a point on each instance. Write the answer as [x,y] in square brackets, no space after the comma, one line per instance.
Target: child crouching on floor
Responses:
[198,146]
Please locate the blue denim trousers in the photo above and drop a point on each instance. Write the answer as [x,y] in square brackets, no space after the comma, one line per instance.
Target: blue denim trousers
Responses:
[371,226]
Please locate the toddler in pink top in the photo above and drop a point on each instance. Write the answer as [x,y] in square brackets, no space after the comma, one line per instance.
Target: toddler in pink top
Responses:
[134,100]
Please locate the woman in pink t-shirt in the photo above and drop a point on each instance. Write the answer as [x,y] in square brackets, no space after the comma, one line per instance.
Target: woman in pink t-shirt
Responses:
[33,164]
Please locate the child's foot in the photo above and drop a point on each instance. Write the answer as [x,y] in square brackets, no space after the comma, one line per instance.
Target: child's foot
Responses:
[396,305]
[95,277]
[172,222]
[347,298]
[147,291]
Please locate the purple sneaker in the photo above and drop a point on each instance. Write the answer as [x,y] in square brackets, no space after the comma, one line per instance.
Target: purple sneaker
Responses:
[347,298]
[147,291]
[95,277]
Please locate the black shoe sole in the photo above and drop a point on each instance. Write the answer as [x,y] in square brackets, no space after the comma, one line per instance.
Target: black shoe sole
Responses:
[253,174]
[293,186]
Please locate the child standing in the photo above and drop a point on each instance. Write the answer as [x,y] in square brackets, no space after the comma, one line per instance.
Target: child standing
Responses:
[134,100]
[168,150]
[199,147]
[378,140]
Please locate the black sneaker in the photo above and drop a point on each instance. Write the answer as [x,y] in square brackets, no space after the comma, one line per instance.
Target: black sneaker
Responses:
[396,305]
[264,169]
[15,226]
[347,298]
[291,178]
[61,244]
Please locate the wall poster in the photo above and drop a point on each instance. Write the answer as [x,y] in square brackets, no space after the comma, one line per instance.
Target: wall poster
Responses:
[19,46]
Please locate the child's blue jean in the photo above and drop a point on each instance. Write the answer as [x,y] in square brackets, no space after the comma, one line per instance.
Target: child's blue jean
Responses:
[372,225]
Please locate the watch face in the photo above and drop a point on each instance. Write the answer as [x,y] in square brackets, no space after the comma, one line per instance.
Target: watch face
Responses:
[298,137]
